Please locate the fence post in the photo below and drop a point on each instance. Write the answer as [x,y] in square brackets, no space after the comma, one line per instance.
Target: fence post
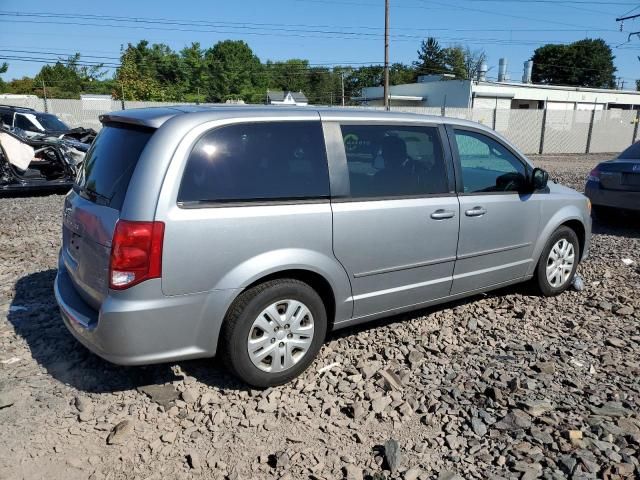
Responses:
[635,127]
[590,134]
[544,127]
[495,115]
[443,111]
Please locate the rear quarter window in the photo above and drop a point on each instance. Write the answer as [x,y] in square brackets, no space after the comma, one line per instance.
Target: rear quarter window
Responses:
[110,162]
[257,161]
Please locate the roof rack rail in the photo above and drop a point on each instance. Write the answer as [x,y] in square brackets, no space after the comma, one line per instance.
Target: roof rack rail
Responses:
[15,107]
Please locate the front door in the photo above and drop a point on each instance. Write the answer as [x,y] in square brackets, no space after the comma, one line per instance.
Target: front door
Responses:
[498,222]
[396,230]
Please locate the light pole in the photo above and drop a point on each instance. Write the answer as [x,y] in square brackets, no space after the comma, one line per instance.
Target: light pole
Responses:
[386,54]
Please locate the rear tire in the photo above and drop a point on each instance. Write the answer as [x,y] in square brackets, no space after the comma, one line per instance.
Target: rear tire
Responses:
[273,331]
[558,262]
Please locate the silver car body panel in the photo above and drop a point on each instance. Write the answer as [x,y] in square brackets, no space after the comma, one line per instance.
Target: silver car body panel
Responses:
[379,257]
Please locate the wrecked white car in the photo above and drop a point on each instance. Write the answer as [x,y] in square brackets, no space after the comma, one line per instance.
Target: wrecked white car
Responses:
[39,162]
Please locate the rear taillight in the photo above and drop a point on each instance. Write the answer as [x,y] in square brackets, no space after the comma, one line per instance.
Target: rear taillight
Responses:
[594,175]
[136,253]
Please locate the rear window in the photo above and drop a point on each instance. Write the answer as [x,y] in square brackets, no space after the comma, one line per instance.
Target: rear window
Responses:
[109,164]
[632,152]
[257,161]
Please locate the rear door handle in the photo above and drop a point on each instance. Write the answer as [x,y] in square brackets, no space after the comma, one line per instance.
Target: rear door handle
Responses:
[442,214]
[475,212]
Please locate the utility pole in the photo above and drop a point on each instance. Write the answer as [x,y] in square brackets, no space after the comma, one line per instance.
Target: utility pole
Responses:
[44,94]
[627,17]
[386,55]
[342,86]
[122,95]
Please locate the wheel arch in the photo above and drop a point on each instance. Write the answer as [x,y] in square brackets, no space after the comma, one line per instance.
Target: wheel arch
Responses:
[569,217]
[315,280]
[578,227]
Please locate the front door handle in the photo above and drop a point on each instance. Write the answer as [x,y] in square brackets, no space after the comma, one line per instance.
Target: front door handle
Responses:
[442,214]
[475,212]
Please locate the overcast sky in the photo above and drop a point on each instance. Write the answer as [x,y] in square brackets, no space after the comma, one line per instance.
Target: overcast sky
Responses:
[322,31]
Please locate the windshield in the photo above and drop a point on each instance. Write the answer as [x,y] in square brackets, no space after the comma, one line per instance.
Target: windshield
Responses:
[109,164]
[50,122]
[42,122]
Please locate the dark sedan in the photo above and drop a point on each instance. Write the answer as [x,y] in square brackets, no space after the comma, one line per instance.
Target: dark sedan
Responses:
[616,183]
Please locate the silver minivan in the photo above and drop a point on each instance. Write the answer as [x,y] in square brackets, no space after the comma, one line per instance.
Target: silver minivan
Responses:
[250,232]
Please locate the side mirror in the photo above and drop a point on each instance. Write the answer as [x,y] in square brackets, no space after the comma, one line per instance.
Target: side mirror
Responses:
[539,179]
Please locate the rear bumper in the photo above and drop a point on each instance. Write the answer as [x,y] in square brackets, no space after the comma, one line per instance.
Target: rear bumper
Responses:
[621,199]
[150,328]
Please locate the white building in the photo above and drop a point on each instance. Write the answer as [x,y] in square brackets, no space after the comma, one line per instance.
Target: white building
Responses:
[440,91]
[286,98]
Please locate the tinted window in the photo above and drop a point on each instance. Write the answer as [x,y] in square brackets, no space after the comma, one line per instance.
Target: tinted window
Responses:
[487,166]
[633,152]
[392,160]
[109,164]
[257,161]
[7,118]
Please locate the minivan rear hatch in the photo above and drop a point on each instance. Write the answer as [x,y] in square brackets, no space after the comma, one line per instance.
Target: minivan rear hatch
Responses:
[92,209]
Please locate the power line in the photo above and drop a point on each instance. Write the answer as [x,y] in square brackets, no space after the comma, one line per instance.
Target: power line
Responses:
[140,22]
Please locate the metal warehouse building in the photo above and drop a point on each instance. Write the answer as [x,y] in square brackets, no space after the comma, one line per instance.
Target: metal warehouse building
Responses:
[440,91]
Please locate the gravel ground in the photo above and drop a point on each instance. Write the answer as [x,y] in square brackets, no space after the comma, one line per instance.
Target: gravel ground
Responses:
[505,385]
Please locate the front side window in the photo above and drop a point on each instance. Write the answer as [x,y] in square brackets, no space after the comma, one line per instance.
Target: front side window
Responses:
[257,161]
[487,165]
[394,160]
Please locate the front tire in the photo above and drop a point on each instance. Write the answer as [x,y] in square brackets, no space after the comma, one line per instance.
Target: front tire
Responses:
[273,332]
[558,262]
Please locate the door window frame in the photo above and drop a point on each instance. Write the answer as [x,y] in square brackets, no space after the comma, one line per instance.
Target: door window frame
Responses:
[457,164]
[339,170]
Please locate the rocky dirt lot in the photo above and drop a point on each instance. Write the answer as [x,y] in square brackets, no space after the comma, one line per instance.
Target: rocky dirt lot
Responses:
[505,385]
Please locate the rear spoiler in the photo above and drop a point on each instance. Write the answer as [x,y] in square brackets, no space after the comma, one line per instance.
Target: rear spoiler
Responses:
[141,117]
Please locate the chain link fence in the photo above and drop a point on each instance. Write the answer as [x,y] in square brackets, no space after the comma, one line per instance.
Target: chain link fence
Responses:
[532,131]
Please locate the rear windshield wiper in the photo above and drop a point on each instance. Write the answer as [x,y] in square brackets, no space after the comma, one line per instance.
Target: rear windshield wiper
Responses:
[94,196]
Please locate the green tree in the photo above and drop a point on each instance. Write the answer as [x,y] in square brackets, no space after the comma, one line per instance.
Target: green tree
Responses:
[400,73]
[322,87]
[133,82]
[233,72]
[3,69]
[289,75]
[193,64]
[431,58]
[585,63]
[161,64]
[22,86]
[365,76]
[456,62]
[67,78]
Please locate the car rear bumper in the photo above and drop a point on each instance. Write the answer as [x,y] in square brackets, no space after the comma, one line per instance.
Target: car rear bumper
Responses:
[147,329]
[622,199]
